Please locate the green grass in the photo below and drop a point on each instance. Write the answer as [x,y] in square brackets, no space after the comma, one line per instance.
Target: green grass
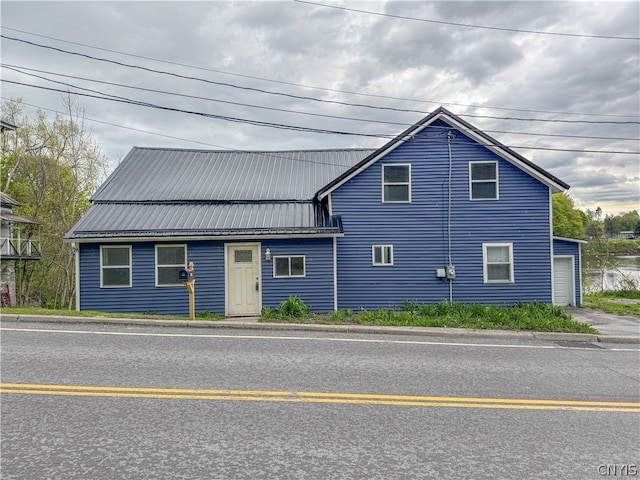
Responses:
[204,315]
[532,316]
[524,316]
[619,302]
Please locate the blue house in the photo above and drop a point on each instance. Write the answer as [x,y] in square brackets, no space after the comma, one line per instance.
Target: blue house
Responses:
[441,212]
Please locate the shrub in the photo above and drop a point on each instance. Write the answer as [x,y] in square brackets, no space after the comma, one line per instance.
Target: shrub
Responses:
[293,307]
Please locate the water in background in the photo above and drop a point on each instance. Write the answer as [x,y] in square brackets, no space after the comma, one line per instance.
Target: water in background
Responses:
[624,275]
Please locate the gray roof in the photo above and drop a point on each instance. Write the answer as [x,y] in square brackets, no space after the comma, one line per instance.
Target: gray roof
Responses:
[6,211]
[199,219]
[6,200]
[167,192]
[6,126]
[152,174]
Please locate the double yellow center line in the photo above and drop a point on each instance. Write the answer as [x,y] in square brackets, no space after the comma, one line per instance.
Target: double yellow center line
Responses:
[317,397]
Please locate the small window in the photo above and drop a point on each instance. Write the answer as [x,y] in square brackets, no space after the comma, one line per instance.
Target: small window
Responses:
[382,255]
[396,183]
[170,259]
[243,256]
[288,267]
[498,262]
[115,266]
[483,180]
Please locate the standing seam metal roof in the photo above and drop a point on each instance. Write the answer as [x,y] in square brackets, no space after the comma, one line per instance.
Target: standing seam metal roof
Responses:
[167,192]
[151,174]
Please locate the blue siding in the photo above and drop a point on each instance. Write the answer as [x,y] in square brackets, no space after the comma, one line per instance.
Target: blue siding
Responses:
[418,230]
[568,248]
[316,288]
[144,296]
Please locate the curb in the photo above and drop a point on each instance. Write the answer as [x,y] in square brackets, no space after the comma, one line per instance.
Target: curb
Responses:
[366,329]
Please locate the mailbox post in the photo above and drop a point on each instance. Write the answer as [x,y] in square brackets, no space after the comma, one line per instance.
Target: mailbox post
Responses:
[189,280]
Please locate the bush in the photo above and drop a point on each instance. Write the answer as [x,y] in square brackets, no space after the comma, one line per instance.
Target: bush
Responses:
[292,307]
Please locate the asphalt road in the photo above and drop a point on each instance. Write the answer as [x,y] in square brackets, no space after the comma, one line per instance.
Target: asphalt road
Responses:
[117,402]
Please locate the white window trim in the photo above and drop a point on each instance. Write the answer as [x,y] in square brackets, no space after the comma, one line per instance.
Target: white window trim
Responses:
[383,263]
[471,182]
[289,257]
[396,183]
[130,267]
[176,265]
[485,272]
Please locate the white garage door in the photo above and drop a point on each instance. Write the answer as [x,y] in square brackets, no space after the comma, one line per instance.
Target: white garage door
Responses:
[563,281]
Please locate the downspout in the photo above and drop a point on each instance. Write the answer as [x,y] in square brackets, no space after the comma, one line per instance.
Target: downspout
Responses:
[450,137]
[551,250]
[335,259]
[76,248]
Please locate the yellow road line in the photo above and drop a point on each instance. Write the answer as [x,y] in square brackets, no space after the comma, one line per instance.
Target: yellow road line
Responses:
[318,397]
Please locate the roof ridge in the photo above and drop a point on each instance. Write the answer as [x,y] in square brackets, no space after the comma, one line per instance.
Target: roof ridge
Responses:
[176,149]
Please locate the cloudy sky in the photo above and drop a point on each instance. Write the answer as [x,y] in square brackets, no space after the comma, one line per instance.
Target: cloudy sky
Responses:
[557,81]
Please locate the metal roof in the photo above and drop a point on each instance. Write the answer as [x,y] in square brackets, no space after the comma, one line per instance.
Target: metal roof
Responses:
[158,192]
[152,174]
[6,126]
[9,201]
[11,217]
[107,220]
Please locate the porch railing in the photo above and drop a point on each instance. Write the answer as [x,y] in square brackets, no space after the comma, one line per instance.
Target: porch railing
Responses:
[20,249]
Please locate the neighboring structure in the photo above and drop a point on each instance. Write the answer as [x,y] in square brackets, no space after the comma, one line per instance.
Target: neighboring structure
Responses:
[15,246]
[6,126]
[627,235]
[441,212]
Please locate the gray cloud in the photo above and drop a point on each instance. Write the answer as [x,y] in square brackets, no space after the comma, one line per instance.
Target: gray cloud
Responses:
[341,50]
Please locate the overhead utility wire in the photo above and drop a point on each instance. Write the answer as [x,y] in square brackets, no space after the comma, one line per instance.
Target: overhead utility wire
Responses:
[467,25]
[198,79]
[115,98]
[196,97]
[279,125]
[334,90]
[27,70]
[264,153]
[162,72]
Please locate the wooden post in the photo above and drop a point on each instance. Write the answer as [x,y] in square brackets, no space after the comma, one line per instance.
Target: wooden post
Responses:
[191,288]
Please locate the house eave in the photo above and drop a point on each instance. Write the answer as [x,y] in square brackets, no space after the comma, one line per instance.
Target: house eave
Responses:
[121,237]
[574,240]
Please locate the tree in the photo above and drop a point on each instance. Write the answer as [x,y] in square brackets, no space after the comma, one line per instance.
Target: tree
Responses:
[626,222]
[594,228]
[567,221]
[52,167]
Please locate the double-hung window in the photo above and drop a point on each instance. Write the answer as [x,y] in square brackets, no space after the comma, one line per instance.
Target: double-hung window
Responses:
[396,183]
[170,259]
[288,266]
[483,180]
[115,266]
[497,262]
[382,255]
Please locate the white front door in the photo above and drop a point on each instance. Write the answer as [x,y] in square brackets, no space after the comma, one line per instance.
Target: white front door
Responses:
[243,279]
[563,282]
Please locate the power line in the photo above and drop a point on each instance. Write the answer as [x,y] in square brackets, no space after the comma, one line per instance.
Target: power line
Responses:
[263,153]
[211,82]
[115,98]
[279,125]
[467,25]
[20,70]
[281,82]
[196,97]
